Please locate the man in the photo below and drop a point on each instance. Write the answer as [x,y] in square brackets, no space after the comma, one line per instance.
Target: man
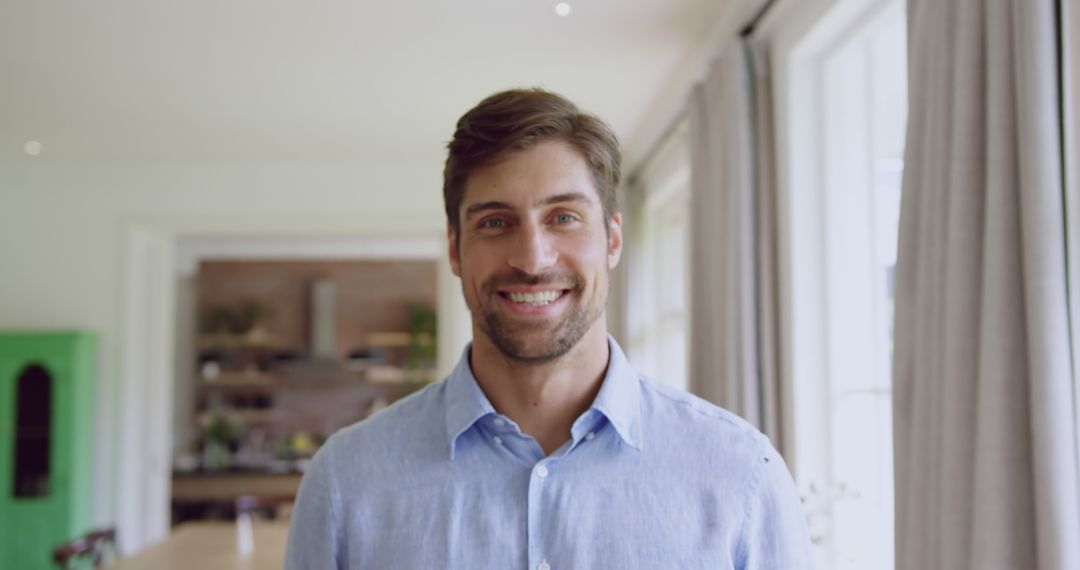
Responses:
[543,449]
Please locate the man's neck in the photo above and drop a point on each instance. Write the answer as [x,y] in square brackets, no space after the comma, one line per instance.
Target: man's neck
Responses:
[545,399]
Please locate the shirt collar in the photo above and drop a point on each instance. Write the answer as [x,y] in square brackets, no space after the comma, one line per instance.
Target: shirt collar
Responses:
[465,401]
[619,399]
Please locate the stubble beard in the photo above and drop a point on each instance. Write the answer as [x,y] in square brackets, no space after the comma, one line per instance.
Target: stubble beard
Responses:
[528,342]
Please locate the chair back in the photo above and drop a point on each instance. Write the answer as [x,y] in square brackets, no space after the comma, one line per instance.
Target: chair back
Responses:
[97,547]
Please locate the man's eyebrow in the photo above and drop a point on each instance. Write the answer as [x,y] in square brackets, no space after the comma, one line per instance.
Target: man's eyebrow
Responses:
[485,206]
[478,207]
[565,197]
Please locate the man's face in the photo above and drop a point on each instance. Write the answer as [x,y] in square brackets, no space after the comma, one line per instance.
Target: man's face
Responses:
[534,256]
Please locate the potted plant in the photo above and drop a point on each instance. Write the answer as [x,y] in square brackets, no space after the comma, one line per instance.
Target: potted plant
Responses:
[222,430]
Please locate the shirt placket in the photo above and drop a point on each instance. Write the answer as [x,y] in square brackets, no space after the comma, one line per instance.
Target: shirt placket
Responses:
[540,478]
[543,474]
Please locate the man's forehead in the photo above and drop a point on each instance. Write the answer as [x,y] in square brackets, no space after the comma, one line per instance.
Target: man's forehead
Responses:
[534,182]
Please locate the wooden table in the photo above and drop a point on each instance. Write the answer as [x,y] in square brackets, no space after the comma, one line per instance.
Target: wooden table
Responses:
[211,545]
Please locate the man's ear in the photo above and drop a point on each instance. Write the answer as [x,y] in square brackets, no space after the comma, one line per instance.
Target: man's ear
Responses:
[615,241]
[452,243]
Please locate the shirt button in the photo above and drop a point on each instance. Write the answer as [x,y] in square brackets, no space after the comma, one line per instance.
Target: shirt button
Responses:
[542,471]
[498,440]
[589,436]
[544,566]
[499,422]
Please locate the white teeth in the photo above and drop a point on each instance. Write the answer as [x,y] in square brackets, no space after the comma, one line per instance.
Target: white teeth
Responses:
[535,299]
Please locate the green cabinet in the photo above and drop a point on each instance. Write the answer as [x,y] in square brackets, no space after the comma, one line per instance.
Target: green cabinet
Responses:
[46,443]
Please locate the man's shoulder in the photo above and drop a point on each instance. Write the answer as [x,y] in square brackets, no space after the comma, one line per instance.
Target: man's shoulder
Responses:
[666,399]
[680,414]
[415,417]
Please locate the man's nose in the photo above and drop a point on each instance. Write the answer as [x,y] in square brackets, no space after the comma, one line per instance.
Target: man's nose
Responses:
[533,250]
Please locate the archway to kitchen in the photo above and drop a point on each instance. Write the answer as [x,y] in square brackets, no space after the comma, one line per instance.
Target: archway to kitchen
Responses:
[159,313]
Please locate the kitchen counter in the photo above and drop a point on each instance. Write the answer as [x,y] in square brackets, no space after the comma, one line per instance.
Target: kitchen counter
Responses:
[225,486]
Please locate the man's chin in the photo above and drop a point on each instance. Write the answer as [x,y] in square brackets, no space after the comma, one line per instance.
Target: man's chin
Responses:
[533,354]
[536,339]
[534,346]
[525,326]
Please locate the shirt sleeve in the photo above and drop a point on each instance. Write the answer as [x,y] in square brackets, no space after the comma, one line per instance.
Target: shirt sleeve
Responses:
[316,535]
[775,536]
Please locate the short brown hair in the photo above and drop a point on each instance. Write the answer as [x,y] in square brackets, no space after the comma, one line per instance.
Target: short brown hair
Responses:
[521,118]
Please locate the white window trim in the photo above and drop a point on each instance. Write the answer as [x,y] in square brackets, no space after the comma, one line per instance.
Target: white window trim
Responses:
[798,35]
[661,183]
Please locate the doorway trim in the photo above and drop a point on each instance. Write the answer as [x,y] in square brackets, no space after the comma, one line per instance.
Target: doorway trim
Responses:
[141,429]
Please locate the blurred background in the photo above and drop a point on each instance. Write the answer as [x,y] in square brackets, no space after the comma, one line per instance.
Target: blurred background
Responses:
[222,236]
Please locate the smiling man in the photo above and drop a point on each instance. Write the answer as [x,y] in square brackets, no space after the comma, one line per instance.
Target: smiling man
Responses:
[544,449]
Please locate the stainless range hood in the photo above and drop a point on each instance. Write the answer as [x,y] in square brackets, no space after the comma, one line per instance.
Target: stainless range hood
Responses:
[323,361]
[324,320]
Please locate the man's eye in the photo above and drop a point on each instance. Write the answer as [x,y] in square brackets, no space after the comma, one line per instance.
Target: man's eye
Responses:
[565,218]
[493,223]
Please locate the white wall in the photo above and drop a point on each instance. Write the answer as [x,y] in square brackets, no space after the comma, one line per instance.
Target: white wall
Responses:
[63,229]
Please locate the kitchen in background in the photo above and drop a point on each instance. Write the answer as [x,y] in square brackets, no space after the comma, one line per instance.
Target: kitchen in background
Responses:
[288,352]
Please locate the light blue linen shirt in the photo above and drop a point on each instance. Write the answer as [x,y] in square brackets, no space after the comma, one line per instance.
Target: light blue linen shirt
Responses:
[652,478]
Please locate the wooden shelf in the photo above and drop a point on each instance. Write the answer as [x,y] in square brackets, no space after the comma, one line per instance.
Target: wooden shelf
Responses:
[396,339]
[247,416]
[395,375]
[234,341]
[238,380]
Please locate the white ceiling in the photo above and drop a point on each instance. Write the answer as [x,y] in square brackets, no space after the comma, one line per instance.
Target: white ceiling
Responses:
[359,81]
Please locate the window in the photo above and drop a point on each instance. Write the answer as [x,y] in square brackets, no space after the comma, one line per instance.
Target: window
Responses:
[658,290]
[844,98]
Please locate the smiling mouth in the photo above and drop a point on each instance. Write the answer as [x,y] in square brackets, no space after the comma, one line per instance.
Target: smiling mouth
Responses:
[536,298]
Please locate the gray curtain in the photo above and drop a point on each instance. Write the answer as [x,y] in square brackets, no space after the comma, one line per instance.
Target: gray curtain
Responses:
[733,275]
[984,402]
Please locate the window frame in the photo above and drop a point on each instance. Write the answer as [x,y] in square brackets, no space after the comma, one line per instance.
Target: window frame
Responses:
[659,194]
[798,37]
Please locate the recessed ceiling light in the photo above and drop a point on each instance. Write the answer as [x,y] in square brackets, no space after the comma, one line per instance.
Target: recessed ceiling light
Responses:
[562,9]
[33,148]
